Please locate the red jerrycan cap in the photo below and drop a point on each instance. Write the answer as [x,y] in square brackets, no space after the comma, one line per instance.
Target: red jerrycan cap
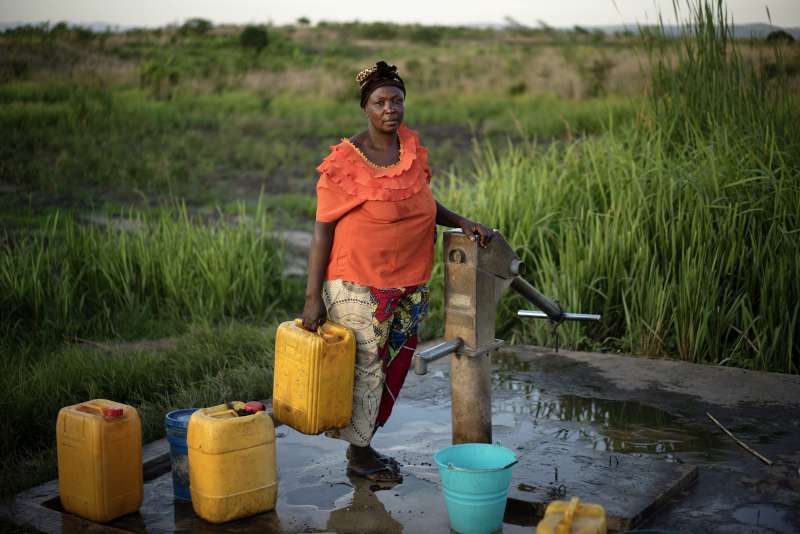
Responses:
[112,412]
[254,406]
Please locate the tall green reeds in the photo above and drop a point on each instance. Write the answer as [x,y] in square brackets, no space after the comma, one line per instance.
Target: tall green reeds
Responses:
[682,231]
[714,92]
[73,281]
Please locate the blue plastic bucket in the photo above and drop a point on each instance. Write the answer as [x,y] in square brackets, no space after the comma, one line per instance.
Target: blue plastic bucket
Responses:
[176,423]
[475,480]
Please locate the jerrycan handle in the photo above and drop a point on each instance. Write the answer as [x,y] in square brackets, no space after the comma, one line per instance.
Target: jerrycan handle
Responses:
[328,337]
[103,411]
[89,408]
[231,410]
[565,525]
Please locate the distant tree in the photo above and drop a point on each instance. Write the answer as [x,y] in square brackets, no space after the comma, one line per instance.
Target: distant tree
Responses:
[61,27]
[513,23]
[83,34]
[546,28]
[303,21]
[254,37]
[780,36]
[376,30]
[430,35]
[196,26]
[580,30]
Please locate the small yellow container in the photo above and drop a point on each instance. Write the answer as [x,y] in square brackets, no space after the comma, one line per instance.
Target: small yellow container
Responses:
[573,517]
[232,471]
[99,444]
[313,386]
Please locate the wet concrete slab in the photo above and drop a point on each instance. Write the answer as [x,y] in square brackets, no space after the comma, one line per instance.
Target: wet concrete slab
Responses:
[734,491]
[628,433]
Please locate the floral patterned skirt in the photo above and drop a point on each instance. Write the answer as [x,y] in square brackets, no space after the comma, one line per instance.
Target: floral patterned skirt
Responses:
[385,322]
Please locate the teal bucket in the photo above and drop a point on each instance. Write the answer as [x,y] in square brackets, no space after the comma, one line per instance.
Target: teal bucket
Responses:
[475,480]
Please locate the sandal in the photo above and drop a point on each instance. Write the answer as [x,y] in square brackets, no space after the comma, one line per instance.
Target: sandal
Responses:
[374,473]
[387,460]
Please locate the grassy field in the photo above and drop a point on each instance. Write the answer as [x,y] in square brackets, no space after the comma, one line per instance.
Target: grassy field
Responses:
[652,180]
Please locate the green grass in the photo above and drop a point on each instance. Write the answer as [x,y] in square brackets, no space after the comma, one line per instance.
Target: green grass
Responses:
[208,365]
[73,144]
[70,281]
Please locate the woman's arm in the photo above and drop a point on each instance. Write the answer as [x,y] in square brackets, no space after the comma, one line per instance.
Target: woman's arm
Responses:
[445,217]
[314,310]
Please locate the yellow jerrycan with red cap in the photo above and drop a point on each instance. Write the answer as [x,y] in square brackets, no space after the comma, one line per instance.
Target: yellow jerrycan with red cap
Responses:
[573,517]
[314,372]
[232,469]
[99,445]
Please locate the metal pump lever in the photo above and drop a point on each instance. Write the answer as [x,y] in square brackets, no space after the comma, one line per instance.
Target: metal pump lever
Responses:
[550,310]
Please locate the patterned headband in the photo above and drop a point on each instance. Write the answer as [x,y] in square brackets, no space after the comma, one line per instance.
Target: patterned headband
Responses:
[362,76]
[380,70]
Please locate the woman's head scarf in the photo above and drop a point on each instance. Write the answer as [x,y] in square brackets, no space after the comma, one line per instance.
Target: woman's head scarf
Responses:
[380,75]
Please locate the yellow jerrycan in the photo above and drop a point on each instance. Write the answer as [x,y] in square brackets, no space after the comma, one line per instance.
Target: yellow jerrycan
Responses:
[99,444]
[573,517]
[232,470]
[313,385]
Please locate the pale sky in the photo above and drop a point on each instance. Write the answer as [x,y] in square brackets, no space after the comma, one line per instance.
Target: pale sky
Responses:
[558,13]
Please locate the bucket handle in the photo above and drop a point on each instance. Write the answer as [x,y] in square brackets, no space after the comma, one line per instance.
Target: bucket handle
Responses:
[478,470]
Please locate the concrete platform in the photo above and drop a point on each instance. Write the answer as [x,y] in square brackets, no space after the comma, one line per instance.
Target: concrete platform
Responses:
[628,433]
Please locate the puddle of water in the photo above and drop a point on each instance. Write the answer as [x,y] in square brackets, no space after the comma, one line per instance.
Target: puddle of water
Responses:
[773,517]
[322,496]
[605,424]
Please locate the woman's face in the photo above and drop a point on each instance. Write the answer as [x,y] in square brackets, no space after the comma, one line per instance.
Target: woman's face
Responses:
[384,108]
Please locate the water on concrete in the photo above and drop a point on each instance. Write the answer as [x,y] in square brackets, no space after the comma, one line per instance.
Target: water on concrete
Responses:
[578,427]
[621,426]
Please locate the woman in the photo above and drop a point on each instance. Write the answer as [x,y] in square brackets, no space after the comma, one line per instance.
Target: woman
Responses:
[371,257]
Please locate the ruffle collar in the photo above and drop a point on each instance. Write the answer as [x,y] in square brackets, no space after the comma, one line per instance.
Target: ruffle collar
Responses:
[350,169]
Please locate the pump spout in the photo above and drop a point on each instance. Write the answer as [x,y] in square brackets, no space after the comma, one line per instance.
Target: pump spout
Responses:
[423,358]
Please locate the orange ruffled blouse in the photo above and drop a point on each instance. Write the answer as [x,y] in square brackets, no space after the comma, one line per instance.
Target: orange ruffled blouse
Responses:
[385,215]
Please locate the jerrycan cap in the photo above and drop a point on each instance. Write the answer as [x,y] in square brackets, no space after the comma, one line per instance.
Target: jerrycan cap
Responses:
[112,412]
[254,406]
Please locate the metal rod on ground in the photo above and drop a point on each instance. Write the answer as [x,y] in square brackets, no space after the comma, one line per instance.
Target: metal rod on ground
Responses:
[740,442]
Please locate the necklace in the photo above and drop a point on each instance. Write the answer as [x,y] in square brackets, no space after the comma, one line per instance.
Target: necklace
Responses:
[369,162]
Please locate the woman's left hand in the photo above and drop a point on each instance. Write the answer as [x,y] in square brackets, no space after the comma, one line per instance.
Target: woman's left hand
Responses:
[477,230]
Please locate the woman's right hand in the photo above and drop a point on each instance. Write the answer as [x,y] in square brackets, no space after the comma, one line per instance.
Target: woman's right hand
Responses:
[314,313]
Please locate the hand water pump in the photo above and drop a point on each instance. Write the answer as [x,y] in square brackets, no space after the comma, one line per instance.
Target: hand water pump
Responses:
[474,280]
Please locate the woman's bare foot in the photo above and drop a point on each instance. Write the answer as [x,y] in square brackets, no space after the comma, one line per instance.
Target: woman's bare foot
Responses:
[366,462]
